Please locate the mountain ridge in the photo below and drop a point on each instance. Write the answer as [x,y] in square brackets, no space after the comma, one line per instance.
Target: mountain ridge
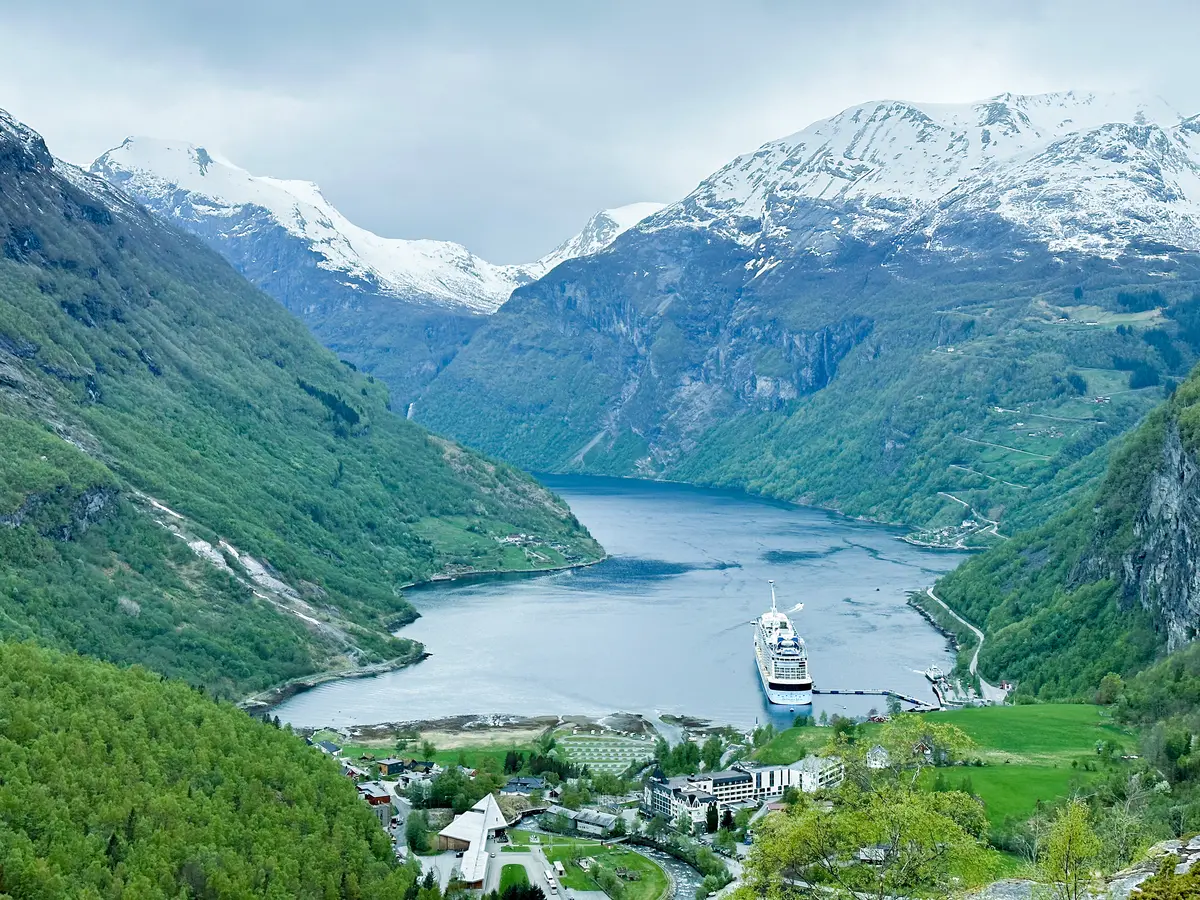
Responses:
[190,184]
[400,312]
[836,317]
[188,480]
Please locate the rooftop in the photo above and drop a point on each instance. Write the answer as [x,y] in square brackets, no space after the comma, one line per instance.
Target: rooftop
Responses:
[474,826]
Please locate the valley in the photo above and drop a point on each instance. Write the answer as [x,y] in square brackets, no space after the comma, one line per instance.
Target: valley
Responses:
[342,565]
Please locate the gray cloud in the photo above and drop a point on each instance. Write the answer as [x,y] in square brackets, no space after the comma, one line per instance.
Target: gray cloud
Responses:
[504,125]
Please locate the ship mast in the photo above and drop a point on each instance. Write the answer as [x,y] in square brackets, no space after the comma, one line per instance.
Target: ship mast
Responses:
[771,582]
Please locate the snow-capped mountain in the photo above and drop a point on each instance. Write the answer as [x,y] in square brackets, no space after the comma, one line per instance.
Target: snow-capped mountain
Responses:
[1075,170]
[786,326]
[601,230]
[208,194]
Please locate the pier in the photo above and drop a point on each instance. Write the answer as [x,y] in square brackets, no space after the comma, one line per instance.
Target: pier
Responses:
[922,704]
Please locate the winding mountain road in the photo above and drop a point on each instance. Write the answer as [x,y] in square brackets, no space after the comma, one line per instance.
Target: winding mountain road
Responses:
[990,692]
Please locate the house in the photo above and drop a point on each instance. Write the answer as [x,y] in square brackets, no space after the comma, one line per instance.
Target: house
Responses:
[878,758]
[817,773]
[523,785]
[329,748]
[423,767]
[582,821]
[379,798]
[390,766]
[353,772]
[470,833]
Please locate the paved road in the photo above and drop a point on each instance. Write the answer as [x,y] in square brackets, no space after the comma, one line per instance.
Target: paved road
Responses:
[990,692]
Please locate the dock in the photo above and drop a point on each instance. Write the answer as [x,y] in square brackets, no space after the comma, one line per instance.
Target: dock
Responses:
[922,704]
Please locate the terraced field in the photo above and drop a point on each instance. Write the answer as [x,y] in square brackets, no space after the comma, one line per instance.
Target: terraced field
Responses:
[606,752]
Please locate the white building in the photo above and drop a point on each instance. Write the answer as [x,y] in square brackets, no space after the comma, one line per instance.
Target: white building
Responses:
[693,794]
[878,757]
[469,833]
[817,773]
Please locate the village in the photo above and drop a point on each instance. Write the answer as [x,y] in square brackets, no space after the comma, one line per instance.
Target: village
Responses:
[583,812]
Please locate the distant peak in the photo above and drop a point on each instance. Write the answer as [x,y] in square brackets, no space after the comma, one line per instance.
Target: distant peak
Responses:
[21,147]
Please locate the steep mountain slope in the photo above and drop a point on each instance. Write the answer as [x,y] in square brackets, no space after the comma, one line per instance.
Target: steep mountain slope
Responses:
[906,311]
[398,309]
[1106,586]
[189,480]
[118,784]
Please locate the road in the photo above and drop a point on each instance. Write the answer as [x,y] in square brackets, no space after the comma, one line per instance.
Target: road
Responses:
[991,693]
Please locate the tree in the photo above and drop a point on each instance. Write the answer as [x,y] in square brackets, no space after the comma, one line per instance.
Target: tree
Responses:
[427,750]
[894,842]
[763,734]
[727,820]
[684,824]
[1111,688]
[1071,849]
[711,752]
[711,818]
[416,831]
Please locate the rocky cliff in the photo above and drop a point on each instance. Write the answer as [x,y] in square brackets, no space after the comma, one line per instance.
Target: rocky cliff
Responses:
[1162,569]
[1108,585]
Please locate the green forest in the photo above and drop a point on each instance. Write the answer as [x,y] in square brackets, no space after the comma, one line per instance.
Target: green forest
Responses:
[137,368]
[118,783]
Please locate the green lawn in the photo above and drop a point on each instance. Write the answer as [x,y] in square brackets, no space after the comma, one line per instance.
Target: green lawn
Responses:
[792,744]
[1051,732]
[511,875]
[1014,790]
[653,883]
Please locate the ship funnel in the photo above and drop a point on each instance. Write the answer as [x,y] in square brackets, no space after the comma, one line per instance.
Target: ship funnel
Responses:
[772,583]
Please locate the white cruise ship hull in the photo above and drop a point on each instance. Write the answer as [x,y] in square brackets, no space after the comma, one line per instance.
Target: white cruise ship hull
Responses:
[781,693]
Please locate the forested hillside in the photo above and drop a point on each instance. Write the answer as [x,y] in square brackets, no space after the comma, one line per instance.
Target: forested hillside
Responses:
[189,480]
[1106,586]
[117,783]
[920,392]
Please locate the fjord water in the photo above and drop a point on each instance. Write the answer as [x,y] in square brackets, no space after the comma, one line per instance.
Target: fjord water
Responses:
[663,626]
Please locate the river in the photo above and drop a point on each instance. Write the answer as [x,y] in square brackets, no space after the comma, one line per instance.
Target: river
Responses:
[663,626]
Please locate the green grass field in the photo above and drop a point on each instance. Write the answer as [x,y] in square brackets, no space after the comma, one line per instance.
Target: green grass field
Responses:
[792,744]
[1014,791]
[1028,751]
[511,875]
[1044,733]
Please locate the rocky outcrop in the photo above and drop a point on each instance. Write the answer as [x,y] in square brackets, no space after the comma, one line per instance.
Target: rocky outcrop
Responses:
[44,512]
[1162,571]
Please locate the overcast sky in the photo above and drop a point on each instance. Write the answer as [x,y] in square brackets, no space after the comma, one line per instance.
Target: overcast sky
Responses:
[504,125]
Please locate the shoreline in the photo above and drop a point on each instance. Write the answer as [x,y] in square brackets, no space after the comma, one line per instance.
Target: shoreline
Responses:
[497,574]
[271,697]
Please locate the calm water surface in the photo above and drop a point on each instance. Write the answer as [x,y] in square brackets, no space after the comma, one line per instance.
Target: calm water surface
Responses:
[664,625]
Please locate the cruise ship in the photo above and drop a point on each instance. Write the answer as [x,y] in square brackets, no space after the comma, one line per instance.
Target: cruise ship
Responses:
[782,658]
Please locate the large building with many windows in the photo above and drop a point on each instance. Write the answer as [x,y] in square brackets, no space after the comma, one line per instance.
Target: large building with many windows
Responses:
[694,794]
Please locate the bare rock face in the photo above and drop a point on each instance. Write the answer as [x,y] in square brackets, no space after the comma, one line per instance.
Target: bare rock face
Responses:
[1162,569]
